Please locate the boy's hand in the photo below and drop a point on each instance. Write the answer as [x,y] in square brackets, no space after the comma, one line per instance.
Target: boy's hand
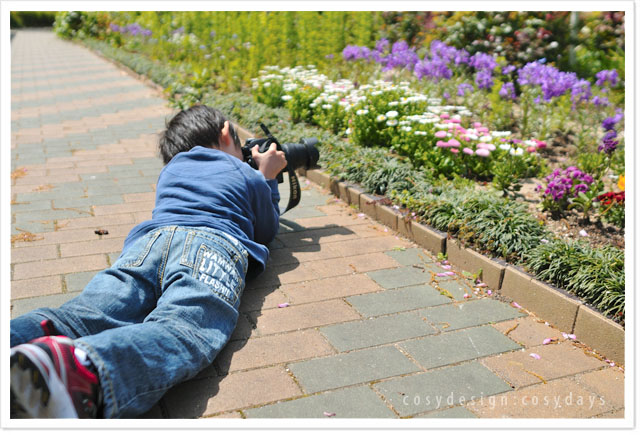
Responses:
[271,162]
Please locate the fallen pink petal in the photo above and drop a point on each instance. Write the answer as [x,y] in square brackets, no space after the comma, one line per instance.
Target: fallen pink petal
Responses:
[466,295]
[515,304]
[446,266]
[284,305]
[489,292]
[449,273]
[534,356]
[329,414]
[583,233]
[547,341]
[441,274]
[481,284]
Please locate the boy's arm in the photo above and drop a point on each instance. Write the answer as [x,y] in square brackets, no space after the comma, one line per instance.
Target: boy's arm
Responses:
[267,210]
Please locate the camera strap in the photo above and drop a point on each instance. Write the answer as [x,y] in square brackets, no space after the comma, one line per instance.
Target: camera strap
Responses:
[294,190]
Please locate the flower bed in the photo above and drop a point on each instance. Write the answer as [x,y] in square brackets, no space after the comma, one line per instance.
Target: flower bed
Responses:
[386,156]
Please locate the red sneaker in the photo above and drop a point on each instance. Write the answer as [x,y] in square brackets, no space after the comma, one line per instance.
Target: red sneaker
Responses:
[47,381]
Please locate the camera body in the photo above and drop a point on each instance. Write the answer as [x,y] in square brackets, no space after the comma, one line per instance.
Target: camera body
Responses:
[298,155]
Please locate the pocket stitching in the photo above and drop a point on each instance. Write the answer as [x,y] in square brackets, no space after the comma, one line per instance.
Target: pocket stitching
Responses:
[145,252]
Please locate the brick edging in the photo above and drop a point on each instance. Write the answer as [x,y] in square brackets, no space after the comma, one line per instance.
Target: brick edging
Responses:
[560,308]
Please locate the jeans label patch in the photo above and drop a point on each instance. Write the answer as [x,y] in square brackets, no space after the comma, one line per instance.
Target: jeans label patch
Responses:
[219,274]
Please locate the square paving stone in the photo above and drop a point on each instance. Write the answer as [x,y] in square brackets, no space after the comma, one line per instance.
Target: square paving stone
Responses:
[396,300]
[456,287]
[78,281]
[23,306]
[440,389]
[471,313]
[409,257]
[381,330]
[356,402]
[400,277]
[351,368]
[453,347]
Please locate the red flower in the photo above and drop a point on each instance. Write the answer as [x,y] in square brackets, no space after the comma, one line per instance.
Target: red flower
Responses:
[609,197]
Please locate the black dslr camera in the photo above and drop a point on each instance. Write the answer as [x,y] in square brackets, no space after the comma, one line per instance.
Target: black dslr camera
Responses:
[298,155]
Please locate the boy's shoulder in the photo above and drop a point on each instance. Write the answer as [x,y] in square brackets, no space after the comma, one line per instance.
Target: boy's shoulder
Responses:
[202,162]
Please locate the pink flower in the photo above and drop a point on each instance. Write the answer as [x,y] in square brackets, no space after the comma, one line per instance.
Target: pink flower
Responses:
[477,124]
[531,149]
[468,151]
[454,150]
[444,116]
[483,130]
[440,134]
[482,152]
[442,144]
[453,143]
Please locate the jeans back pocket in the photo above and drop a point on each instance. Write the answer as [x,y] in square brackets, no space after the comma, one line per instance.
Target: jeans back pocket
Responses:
[136,255]
[216,270]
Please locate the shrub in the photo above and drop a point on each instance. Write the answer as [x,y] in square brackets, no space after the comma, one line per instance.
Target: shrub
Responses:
[21,19]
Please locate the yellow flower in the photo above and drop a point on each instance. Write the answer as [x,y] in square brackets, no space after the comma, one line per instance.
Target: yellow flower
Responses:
[621,182]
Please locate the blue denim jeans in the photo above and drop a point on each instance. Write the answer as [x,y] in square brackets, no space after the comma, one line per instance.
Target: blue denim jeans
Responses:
[156,318]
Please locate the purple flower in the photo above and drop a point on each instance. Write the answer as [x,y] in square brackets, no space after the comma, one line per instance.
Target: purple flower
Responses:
[354,52]
[552,82]
[435,69]
[114,27]
[329,56]
[605,76]
[401,56]
[482,61]
[382,45]
[441,50]
[600,101]
[446,95]
[508,91]
[212,34]
[580,91]
[463,88]
[461,56]
[508,69]
[484,80]
[610,122]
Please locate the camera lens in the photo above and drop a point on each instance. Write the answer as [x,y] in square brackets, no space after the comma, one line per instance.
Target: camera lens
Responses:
[303,154]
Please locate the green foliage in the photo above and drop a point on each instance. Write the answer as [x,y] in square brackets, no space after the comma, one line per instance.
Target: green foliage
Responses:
[21,19]
[594,274]
[81,24]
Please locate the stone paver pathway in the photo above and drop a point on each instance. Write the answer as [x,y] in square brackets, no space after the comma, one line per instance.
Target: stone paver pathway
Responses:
[349,320]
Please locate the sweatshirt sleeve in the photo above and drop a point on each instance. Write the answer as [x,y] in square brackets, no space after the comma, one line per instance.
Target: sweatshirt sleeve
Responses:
[267,211]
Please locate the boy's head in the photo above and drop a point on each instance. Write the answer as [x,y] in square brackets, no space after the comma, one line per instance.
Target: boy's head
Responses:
[199,125]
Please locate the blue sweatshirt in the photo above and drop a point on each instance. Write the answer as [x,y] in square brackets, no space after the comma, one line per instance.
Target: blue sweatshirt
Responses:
[210,188]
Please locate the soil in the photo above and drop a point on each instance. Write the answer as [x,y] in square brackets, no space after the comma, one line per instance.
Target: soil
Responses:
[568,227]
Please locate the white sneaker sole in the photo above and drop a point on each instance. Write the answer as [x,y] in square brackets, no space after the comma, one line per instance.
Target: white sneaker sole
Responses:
[29,395]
